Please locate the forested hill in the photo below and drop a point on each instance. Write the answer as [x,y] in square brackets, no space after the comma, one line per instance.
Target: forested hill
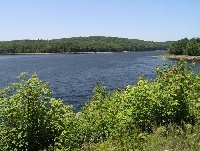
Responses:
[81,44]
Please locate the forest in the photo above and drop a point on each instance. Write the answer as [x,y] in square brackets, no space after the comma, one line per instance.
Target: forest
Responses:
[81,44]
[190,47]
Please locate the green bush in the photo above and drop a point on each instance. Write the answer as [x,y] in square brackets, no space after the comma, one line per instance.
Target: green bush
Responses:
[29,118]
[171,98]
[167,99]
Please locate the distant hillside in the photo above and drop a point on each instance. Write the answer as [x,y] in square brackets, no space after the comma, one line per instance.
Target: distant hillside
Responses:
[81,44]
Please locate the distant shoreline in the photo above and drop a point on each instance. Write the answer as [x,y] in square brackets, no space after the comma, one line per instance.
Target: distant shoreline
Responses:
[53,53]
[185,57]
[47,53]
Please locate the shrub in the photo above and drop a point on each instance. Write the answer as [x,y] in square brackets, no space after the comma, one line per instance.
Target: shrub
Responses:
[171,98]
[166,99]
[106,116]
[29,118]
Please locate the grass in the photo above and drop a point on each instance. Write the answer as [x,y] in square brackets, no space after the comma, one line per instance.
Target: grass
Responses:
[172,138]
[185,57]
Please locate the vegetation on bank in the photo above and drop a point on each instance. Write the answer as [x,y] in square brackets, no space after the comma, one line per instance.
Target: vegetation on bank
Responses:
[190,47]
[80,44]
[178,57]
[162,114]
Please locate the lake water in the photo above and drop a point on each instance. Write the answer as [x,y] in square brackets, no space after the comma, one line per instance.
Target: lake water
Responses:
[72,77]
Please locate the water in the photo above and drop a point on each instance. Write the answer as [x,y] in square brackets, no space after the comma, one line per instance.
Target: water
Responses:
[72,77]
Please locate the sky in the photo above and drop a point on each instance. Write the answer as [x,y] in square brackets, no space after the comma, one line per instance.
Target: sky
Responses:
[149,20]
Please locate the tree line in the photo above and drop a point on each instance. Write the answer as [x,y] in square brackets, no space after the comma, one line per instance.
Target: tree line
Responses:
[81,44]
[185,46]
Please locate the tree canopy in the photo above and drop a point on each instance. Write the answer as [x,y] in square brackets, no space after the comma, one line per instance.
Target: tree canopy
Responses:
[81,44]
[185,46]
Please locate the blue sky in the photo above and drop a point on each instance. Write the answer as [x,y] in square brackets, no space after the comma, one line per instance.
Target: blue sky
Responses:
[154,20]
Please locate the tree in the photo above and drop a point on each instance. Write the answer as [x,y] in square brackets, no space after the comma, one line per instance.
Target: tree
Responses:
[193,47]
[178,47]
[184,46]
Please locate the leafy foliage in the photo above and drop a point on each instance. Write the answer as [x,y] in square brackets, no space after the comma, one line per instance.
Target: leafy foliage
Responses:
[178,47]
[185,47]
[193,47]
[170,98]
[29,118]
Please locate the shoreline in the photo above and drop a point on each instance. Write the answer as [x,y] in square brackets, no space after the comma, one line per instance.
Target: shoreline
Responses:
[47,53]
[59,53]
[53,53]
[185,57]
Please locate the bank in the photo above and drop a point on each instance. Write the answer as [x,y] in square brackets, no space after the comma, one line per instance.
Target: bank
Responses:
[185,57]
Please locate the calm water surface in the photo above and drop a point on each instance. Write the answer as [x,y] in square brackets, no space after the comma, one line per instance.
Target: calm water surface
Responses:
[72,77]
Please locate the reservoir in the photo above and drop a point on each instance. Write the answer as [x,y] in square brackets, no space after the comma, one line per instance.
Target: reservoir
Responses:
[72,77]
